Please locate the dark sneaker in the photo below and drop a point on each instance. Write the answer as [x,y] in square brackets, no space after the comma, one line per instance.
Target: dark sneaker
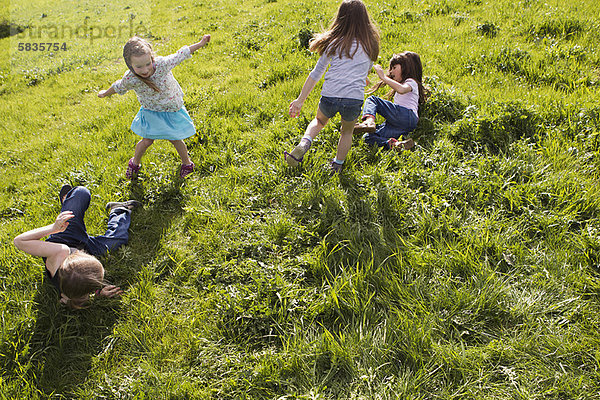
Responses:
[335,168]
[127,205]
[64,191]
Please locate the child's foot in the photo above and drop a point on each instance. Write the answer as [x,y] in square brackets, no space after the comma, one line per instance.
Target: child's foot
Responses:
[186,169]
[291,160]
[335,168]
[132,169]
[64,190]
[400,145]
[365,127]
[297,155]
[127,205]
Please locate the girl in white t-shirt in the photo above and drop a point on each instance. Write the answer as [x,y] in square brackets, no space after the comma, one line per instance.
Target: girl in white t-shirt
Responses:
[401,115]
[348,48]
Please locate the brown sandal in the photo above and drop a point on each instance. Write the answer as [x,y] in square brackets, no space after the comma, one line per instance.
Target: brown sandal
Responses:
[363,127]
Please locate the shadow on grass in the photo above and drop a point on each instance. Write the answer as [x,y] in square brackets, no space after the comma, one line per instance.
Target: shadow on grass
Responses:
[162,203]
[64,344]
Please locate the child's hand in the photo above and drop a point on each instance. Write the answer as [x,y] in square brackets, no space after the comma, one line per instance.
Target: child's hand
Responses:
[379,71]
[205,40]
[110,291]
[62,221]
[109,92]
[295,107]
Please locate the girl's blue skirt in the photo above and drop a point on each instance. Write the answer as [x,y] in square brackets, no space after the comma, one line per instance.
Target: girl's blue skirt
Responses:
[163,125]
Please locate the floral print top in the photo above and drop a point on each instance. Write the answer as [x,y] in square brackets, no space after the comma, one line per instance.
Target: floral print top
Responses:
[170,96]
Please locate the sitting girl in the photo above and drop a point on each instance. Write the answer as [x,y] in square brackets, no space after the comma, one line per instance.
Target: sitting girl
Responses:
[401,115]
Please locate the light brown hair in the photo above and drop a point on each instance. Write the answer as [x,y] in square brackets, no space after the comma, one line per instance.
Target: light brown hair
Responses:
[79,275]
[136,46]
[351,23]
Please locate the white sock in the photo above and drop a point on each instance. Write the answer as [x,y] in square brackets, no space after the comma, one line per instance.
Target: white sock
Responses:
[305,143]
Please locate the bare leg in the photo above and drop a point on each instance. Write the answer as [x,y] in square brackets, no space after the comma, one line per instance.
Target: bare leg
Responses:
[140,149]
[317,124]
[345,141]
[182,150]
[312,130]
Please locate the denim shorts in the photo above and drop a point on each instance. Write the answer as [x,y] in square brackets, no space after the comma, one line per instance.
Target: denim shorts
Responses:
[349,109]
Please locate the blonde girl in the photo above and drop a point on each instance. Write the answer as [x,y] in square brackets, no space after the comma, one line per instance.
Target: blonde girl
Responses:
[162,114]
[402,115]
[348,47]
[69,252]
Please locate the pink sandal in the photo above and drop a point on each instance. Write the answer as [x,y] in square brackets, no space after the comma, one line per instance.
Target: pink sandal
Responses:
[132,169]
[185,170]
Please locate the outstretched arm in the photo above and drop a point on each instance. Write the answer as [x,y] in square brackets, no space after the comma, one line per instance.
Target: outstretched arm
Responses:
[109,92]
[55,253]
[397,86]
[296,105]
[203,42]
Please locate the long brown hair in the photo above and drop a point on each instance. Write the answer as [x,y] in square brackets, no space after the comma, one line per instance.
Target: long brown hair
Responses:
[136,46]
[79,275]
[411,66]
[351,23]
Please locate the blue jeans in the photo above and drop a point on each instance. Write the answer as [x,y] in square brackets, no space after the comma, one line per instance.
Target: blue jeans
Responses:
[78,201]
[349,109]
[398,121]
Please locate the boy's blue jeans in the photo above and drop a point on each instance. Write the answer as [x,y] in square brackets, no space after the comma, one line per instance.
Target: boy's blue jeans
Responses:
[398,121]
[78,201]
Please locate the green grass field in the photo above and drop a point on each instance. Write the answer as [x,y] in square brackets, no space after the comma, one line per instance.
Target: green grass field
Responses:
[466,269]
